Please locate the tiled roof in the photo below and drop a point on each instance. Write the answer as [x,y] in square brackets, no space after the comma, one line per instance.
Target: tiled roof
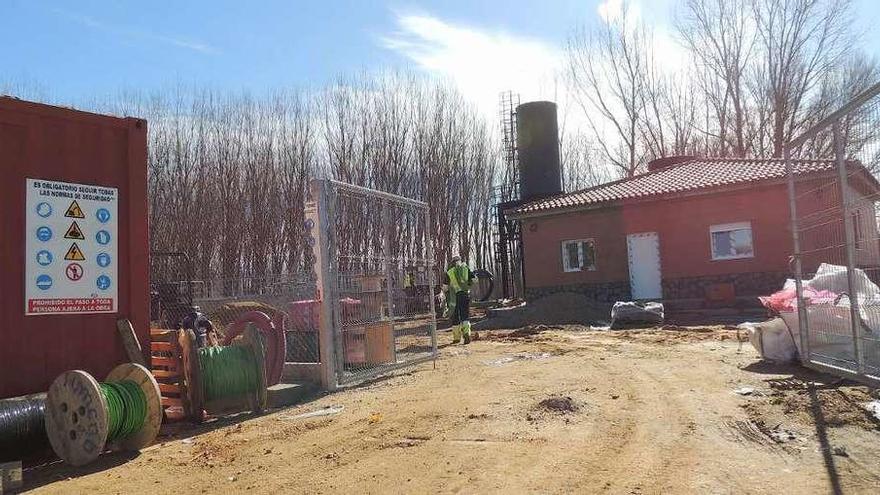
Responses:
[700,173]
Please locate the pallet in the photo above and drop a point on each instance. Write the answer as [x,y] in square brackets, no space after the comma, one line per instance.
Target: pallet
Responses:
[167,368]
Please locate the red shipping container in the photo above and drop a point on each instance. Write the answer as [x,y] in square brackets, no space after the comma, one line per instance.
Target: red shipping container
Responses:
[52,145]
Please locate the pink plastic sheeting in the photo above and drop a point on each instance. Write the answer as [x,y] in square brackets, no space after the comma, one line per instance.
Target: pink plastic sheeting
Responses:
[305,316]
[786,299]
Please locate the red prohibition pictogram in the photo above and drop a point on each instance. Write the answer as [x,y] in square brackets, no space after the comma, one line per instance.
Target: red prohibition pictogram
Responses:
[74,271]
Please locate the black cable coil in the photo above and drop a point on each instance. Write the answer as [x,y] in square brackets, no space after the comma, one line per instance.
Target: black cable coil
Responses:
[22,428]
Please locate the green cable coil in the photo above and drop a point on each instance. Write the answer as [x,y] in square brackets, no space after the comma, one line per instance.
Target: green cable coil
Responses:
[126,408]
[228,371]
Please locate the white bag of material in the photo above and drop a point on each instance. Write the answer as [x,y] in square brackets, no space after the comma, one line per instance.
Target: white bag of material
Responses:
[773,340]
[828,308]
[833,278]
[832,321]
[630,314]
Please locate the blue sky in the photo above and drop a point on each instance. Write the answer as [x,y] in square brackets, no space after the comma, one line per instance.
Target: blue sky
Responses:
[75,50]
[92,46]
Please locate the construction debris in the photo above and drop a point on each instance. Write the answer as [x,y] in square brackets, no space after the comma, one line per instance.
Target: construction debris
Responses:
[327,411]
[555,309]
[559,404]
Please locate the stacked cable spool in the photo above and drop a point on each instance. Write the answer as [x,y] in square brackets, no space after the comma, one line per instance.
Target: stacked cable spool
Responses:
[227,379]
[85,417]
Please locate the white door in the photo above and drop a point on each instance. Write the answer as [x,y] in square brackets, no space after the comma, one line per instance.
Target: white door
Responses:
[644,265]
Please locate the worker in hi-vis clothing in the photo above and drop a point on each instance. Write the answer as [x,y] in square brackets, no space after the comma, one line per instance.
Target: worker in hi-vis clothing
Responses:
[409,290]
[457,281]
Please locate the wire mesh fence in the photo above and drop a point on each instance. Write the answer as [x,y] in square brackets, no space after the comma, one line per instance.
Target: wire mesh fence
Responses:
[384,282]
[216,308]
[834,197]
[363,304]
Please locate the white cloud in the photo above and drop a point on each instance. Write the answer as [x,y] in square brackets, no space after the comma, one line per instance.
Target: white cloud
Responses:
[485,62]
[125,32]
[481,62]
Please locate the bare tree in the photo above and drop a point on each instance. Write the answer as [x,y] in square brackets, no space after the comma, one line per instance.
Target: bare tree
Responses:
[720,35]
[669,123]
[581,162]
[800,42]
[607,72]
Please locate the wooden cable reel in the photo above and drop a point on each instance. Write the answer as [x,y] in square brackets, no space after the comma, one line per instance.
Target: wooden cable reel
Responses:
[254,400]
[77,421]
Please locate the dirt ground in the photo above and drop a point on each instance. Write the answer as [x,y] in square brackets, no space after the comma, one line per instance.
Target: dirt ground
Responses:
[544,409]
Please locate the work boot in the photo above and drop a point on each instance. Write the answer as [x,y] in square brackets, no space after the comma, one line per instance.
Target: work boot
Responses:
[456,334]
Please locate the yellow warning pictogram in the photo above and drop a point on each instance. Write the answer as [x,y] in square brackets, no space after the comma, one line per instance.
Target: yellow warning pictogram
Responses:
[74,232]
[74,254]
[74,211]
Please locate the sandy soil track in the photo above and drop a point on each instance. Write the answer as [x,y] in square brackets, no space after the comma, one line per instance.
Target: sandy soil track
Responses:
[649,412]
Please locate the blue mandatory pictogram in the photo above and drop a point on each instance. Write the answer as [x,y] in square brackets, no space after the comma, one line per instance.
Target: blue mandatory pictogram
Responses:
[44,209]
[103,237]
[103,215]
[44,258]
[103,282]
[103,260]
[44,233]
[44,282]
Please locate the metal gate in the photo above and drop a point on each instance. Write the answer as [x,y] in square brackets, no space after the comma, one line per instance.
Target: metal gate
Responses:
[833,194]
[375,271]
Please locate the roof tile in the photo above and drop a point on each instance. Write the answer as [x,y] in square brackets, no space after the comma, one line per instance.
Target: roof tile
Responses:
[701,173]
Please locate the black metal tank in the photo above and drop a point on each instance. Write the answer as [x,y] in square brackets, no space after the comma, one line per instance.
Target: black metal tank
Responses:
[537,141]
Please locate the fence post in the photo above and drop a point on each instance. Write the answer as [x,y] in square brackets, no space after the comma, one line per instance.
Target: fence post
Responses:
[387,222]
[319,229]
[803,320]
[429,267]
[855,315]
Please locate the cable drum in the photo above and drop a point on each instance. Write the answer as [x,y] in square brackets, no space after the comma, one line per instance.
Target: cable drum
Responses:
[225,379]
[126,408]
[228,371]
[84,417]
[22,428]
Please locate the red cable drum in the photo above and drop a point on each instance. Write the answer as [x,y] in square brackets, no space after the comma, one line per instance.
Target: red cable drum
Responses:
[276,344]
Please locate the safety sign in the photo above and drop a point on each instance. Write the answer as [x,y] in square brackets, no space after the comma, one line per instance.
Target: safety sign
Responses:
[71,246]
[74,271]
[74,253]
[44,234]
[74,232]
[103,260]
[74,211]
[44,258]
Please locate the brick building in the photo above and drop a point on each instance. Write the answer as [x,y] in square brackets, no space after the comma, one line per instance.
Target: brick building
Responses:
[700,230]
